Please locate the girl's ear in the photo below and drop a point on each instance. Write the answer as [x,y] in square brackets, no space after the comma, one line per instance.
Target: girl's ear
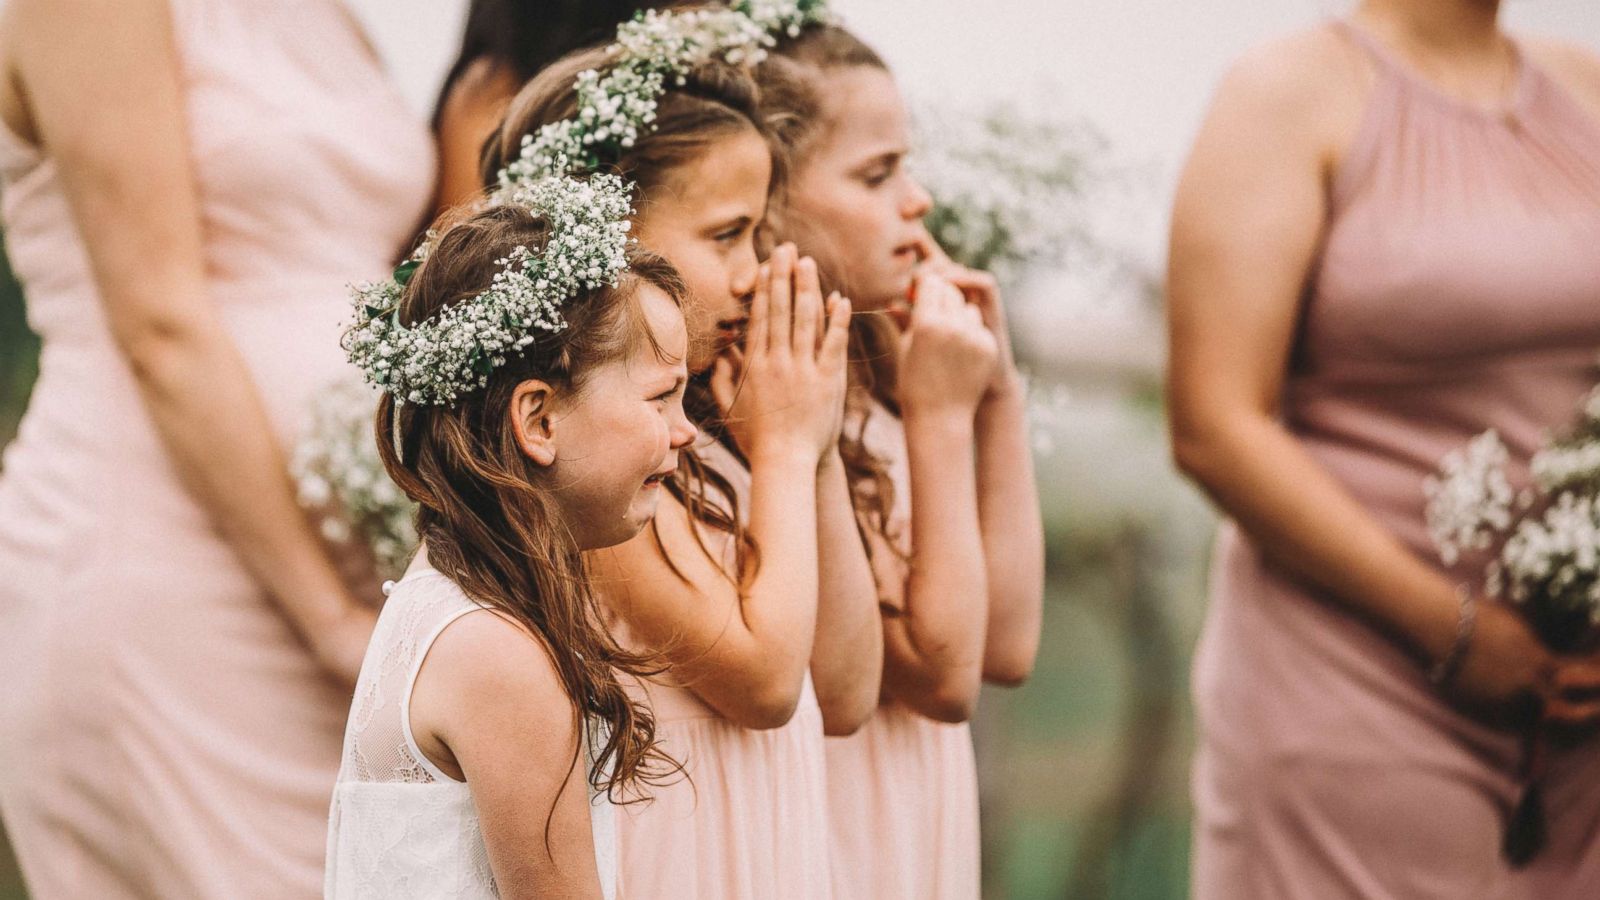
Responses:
[533,420]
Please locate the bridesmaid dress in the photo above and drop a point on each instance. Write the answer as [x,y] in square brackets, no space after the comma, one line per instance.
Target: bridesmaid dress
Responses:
[748,818]
[1458,290]
[162,731]
[902,791]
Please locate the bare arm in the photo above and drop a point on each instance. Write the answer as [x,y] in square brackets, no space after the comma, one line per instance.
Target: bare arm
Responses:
[470,113]
[847,657]
[489,707]
[934,649]
[1246,227]
[1008,496]
[100,79]
[745,651]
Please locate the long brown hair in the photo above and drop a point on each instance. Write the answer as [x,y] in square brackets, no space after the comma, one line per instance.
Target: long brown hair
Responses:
[487,522]
[794,112]
[712,102]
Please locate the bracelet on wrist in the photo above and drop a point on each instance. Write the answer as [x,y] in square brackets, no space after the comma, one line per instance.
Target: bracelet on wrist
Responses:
[1445,669]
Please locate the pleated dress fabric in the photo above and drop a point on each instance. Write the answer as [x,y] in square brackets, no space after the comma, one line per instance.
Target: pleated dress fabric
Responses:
[1457,290]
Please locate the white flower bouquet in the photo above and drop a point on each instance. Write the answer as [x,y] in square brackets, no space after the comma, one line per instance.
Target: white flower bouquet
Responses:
[1008,185]
[1540,546]
[340,479]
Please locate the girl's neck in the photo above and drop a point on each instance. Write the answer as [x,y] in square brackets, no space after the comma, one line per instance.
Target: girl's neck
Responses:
[1438,28]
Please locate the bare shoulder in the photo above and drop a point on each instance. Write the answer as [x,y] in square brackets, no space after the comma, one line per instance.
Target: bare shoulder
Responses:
[483,90]
[1574,66]
[1298,78]
[486,660]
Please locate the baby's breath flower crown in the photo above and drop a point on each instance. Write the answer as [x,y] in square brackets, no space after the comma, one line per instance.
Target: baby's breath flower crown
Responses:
[618,104]
[435,361]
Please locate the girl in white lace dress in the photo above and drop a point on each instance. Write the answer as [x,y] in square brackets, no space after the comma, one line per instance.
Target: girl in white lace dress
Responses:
[542,373]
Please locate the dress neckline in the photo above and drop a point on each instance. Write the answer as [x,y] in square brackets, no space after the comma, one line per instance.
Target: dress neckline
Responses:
[1510,108]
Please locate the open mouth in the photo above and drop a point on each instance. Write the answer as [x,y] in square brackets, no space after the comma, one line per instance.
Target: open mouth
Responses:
[658,478]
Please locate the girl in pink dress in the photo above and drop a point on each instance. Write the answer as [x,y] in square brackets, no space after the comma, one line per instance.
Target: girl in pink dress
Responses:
[725,585]
[188,186]
[1384,244]
[943,473]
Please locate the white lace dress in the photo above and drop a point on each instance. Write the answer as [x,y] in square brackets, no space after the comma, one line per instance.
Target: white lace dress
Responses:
[400,828]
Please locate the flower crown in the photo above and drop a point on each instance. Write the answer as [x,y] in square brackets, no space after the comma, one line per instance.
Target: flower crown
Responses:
[616,105]
[434,361]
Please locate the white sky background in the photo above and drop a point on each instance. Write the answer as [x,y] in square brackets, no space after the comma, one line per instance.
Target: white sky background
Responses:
[1141,71]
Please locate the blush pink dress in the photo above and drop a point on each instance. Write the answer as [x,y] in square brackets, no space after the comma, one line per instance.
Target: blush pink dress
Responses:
[162,731]
[1458,289]
[902,791]
[750,819]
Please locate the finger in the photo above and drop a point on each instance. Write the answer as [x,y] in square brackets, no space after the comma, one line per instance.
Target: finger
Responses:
[780,288]
[756,331]
[808,308]
[900,314]
[836,340]
[724,385]
[1576,677]
[1569,712]
[928,249]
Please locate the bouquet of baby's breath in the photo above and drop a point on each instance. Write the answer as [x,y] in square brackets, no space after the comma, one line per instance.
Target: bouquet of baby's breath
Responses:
[341,480]
[1542,543]
[1008,185]
[1540,551]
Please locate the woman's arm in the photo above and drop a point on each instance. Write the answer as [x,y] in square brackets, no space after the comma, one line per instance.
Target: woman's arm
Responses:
[100,79]
[847,657]
[488,706]
[468,115]
[1246,228]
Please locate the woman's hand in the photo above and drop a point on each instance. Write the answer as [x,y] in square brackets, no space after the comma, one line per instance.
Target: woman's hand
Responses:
[341,644]
[784,392]
[1506,671]
[947,355]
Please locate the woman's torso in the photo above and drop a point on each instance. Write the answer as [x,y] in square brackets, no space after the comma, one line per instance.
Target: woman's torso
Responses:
[309,174]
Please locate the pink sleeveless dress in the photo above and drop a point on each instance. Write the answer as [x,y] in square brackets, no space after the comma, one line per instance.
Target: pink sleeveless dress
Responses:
[902,791]
[1458,289]
[750,818]
[162,731]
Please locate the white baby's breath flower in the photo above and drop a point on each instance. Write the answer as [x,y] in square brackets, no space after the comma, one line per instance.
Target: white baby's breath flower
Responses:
[341,478]
[1008,185]
[1470,499]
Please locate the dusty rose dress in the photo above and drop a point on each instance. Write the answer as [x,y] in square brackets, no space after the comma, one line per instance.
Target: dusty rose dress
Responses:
[750,821]
[902,791]
[1458,290]
[162,732]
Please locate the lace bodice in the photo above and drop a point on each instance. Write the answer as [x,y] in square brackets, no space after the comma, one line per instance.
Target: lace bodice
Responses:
[400,828]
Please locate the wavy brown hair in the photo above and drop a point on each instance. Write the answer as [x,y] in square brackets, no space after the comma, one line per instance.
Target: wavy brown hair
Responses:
[488,522]
[794,112]
[712,102]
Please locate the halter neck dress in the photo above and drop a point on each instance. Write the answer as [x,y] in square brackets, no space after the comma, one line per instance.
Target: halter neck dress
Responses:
[163,733]
[1457,290]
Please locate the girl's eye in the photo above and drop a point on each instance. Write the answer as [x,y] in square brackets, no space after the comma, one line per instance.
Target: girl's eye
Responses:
[876,179]
[730,235]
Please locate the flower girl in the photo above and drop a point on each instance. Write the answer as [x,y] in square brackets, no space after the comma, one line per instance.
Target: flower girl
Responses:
[954,527]
[533,370]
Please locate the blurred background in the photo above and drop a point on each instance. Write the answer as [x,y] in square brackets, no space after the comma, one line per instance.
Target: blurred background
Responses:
[1084,770]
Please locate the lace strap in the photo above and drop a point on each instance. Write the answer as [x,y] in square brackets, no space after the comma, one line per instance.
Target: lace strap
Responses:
[421,654]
